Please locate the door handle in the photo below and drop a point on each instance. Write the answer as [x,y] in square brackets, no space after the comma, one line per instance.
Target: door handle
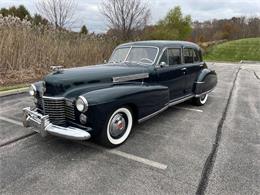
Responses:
[183,69]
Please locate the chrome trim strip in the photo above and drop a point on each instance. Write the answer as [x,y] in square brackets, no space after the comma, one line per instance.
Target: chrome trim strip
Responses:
[153,114]
[174,102]
[53,98]
[171,103]
[130,77]
[198,95]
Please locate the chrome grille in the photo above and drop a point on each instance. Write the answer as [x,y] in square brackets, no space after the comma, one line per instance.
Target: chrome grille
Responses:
[58,109]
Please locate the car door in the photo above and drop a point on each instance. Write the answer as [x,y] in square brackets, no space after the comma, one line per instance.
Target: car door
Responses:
[193,65]
[170,72]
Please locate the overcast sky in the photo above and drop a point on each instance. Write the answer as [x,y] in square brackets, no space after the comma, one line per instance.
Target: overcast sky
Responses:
[88,10]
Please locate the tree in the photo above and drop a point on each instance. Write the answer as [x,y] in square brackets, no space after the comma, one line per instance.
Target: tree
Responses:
[84,30]
[38,19]
[20,12]
[173,26]
[59,12]
[125,16]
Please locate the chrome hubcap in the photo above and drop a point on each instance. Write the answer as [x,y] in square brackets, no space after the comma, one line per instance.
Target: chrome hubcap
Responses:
[117,126]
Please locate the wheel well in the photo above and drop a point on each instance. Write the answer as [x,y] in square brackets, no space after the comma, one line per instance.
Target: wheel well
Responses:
[134,111]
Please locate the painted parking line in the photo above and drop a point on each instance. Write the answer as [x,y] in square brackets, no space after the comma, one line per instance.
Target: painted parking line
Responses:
[111,151]
[11,120]
[126,155]
[190,109]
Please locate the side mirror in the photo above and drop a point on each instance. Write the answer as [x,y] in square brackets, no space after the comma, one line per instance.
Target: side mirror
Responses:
[163,64]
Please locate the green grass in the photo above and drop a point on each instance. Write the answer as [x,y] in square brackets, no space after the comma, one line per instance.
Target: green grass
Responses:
[7,88]
[234,51]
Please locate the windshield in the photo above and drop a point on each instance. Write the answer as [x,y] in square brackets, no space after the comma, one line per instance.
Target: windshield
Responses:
[144,55]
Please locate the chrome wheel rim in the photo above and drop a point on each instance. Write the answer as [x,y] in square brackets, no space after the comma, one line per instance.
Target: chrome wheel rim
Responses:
[118,125]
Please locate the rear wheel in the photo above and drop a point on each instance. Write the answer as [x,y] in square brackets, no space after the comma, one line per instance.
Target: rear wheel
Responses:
[117,128]
[199,101]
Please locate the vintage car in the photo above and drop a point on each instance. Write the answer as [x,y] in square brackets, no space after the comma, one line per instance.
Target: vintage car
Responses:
[140,80]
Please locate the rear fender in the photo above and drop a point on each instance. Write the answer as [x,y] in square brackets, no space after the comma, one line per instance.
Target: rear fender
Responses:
[207,81]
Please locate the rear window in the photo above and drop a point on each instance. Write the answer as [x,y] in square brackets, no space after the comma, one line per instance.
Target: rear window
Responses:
[191,55]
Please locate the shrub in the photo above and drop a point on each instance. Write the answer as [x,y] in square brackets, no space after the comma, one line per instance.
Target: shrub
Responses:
[27,51]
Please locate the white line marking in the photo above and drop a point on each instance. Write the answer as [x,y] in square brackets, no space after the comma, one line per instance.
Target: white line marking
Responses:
[127,155]
[191,109]
[111,151]
[11,121]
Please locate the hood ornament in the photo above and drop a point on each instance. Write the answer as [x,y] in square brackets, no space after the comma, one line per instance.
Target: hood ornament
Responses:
[56,68]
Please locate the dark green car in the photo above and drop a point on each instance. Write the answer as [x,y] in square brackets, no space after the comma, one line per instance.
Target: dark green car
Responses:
[140,80]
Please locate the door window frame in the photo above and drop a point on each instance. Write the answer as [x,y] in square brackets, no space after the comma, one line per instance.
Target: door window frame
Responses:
[161,55]
[196,52]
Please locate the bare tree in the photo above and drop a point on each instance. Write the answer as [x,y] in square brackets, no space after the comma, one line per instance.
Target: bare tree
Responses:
[125,16]
[58,12]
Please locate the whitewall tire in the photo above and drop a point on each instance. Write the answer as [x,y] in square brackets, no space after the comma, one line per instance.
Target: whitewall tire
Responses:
[118,127]
[199,101]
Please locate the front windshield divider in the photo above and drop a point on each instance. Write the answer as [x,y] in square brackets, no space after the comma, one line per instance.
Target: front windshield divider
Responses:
[128,53]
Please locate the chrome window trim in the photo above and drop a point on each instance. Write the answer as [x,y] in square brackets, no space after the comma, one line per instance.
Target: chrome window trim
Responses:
[163,50]
[137,46]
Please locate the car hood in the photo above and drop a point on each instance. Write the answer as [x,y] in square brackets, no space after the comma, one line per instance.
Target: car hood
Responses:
[75,81]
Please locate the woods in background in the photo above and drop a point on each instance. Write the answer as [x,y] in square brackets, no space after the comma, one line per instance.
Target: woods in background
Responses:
[30,44]
[229,29]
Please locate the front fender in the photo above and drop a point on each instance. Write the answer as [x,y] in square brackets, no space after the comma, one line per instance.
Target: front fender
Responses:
[142,99]
[206,81]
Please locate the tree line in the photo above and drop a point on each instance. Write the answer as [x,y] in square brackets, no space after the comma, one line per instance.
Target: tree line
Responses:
[129,19]
[229,29]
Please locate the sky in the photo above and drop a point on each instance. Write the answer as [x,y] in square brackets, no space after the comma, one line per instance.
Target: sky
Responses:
[88,11]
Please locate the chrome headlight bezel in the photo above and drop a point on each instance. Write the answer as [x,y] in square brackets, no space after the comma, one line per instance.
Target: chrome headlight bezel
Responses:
[81,104]
[32,90]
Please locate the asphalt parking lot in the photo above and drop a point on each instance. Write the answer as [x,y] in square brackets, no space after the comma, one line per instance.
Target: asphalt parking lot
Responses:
[214,149]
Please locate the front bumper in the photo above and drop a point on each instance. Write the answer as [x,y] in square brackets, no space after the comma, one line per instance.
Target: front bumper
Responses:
[42,125]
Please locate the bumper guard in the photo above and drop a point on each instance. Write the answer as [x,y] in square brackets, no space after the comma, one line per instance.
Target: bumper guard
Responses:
[42,125]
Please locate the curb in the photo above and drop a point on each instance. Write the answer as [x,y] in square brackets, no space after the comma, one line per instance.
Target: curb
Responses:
[14,91]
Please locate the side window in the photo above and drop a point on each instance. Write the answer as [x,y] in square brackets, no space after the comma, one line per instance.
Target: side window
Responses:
[196,56]
[188,55]
[171,56]
[164,57]
[174,56]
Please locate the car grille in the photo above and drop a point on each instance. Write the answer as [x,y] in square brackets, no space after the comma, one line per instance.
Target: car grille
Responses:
[59,110]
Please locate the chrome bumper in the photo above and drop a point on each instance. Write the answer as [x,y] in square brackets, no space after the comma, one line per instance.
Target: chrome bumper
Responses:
[42,125]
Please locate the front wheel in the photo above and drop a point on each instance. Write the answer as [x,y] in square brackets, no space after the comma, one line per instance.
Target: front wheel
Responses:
[199,101]
[117,128]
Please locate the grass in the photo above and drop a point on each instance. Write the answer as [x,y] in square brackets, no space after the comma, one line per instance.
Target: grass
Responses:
[234,51]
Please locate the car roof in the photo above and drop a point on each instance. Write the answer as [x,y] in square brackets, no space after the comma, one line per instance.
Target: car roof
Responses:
[161,44]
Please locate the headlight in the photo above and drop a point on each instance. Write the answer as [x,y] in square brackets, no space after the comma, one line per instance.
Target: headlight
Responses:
[32,90]
[82,104]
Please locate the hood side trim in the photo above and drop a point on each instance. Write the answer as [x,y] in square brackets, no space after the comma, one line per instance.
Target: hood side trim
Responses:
[130,77]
